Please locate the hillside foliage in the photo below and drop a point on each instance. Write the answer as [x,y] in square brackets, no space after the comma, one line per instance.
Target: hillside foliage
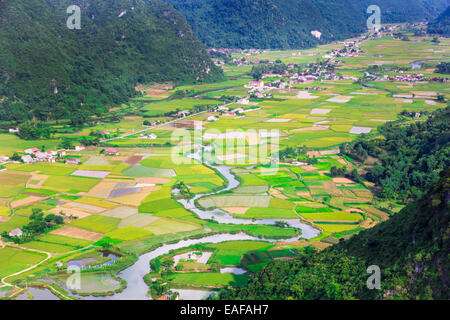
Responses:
[411,250]
[410,156]
[48,71]
[287,24]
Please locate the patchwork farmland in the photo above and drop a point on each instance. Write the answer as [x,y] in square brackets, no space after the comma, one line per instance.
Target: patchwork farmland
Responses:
[139,190]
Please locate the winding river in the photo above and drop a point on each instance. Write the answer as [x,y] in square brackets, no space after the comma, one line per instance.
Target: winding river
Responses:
[133,275]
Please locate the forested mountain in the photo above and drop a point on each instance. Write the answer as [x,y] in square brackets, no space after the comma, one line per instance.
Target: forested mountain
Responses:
[441,25]
[411,156]
[48,71]
[411,250]
[288,23]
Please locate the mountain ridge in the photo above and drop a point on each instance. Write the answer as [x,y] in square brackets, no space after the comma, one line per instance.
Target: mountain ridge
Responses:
[287,24]
[57,72]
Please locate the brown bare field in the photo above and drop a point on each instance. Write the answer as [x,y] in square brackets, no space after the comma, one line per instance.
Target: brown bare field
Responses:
[41,178]
[4,202]
[133,160]
[69,211]
[102,190]
[77,233]
[304,194]
[84,207]
[363,193]
[369,223]
[11,177]
[236,210]
[313,154]
[331,188]
[277,194]
[354,210]
[383,215]
[26,201]
[3,219]
[342,180]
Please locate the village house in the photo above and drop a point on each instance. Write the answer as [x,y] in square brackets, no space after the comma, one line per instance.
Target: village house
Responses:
[13,130]
[222,108]
[28,159]
[31,151]
[4,158]
[271,75]
[16,233]
[79,148]
[111,152]
[212,119]
[183,113]
[243,101]
[259,84]
[150,136]
[73,161]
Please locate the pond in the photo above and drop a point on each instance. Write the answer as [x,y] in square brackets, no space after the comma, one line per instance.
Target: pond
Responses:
[36,294]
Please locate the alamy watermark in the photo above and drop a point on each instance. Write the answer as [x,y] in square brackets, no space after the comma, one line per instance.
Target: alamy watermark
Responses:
[374,21]
[374,280]
[74,280]
[74,20]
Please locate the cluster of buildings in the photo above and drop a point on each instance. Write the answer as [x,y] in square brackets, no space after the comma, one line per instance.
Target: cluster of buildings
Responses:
[350,49]
[413,78]
[150,136]
[34,155]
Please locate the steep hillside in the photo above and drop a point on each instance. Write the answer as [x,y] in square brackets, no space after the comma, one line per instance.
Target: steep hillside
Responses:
[411,250]
[288,23]
[410,156]
[48,71]
[441,25]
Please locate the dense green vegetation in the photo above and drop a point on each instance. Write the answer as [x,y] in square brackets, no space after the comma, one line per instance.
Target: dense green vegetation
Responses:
[46,68]
[443,67]
[411,250]
[442,24]
[411,155]
[288,23]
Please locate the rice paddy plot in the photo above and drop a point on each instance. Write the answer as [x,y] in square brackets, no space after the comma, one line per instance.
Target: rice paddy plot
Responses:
[97,223]
[67,183]
[13,260]
[168,226]
[268,213]
[121,212]
[138,220]
[129,233]
[209,279]
[332,216]
[95,160]
[91,174]
[235,201]
[333,228]
[142,171]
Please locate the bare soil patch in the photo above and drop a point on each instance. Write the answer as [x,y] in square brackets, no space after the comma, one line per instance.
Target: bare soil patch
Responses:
[70,211]
[26,201]
[342,180]
[236,210]
[77,233]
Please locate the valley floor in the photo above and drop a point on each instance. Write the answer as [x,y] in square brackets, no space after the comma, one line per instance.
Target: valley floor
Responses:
[119,201]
